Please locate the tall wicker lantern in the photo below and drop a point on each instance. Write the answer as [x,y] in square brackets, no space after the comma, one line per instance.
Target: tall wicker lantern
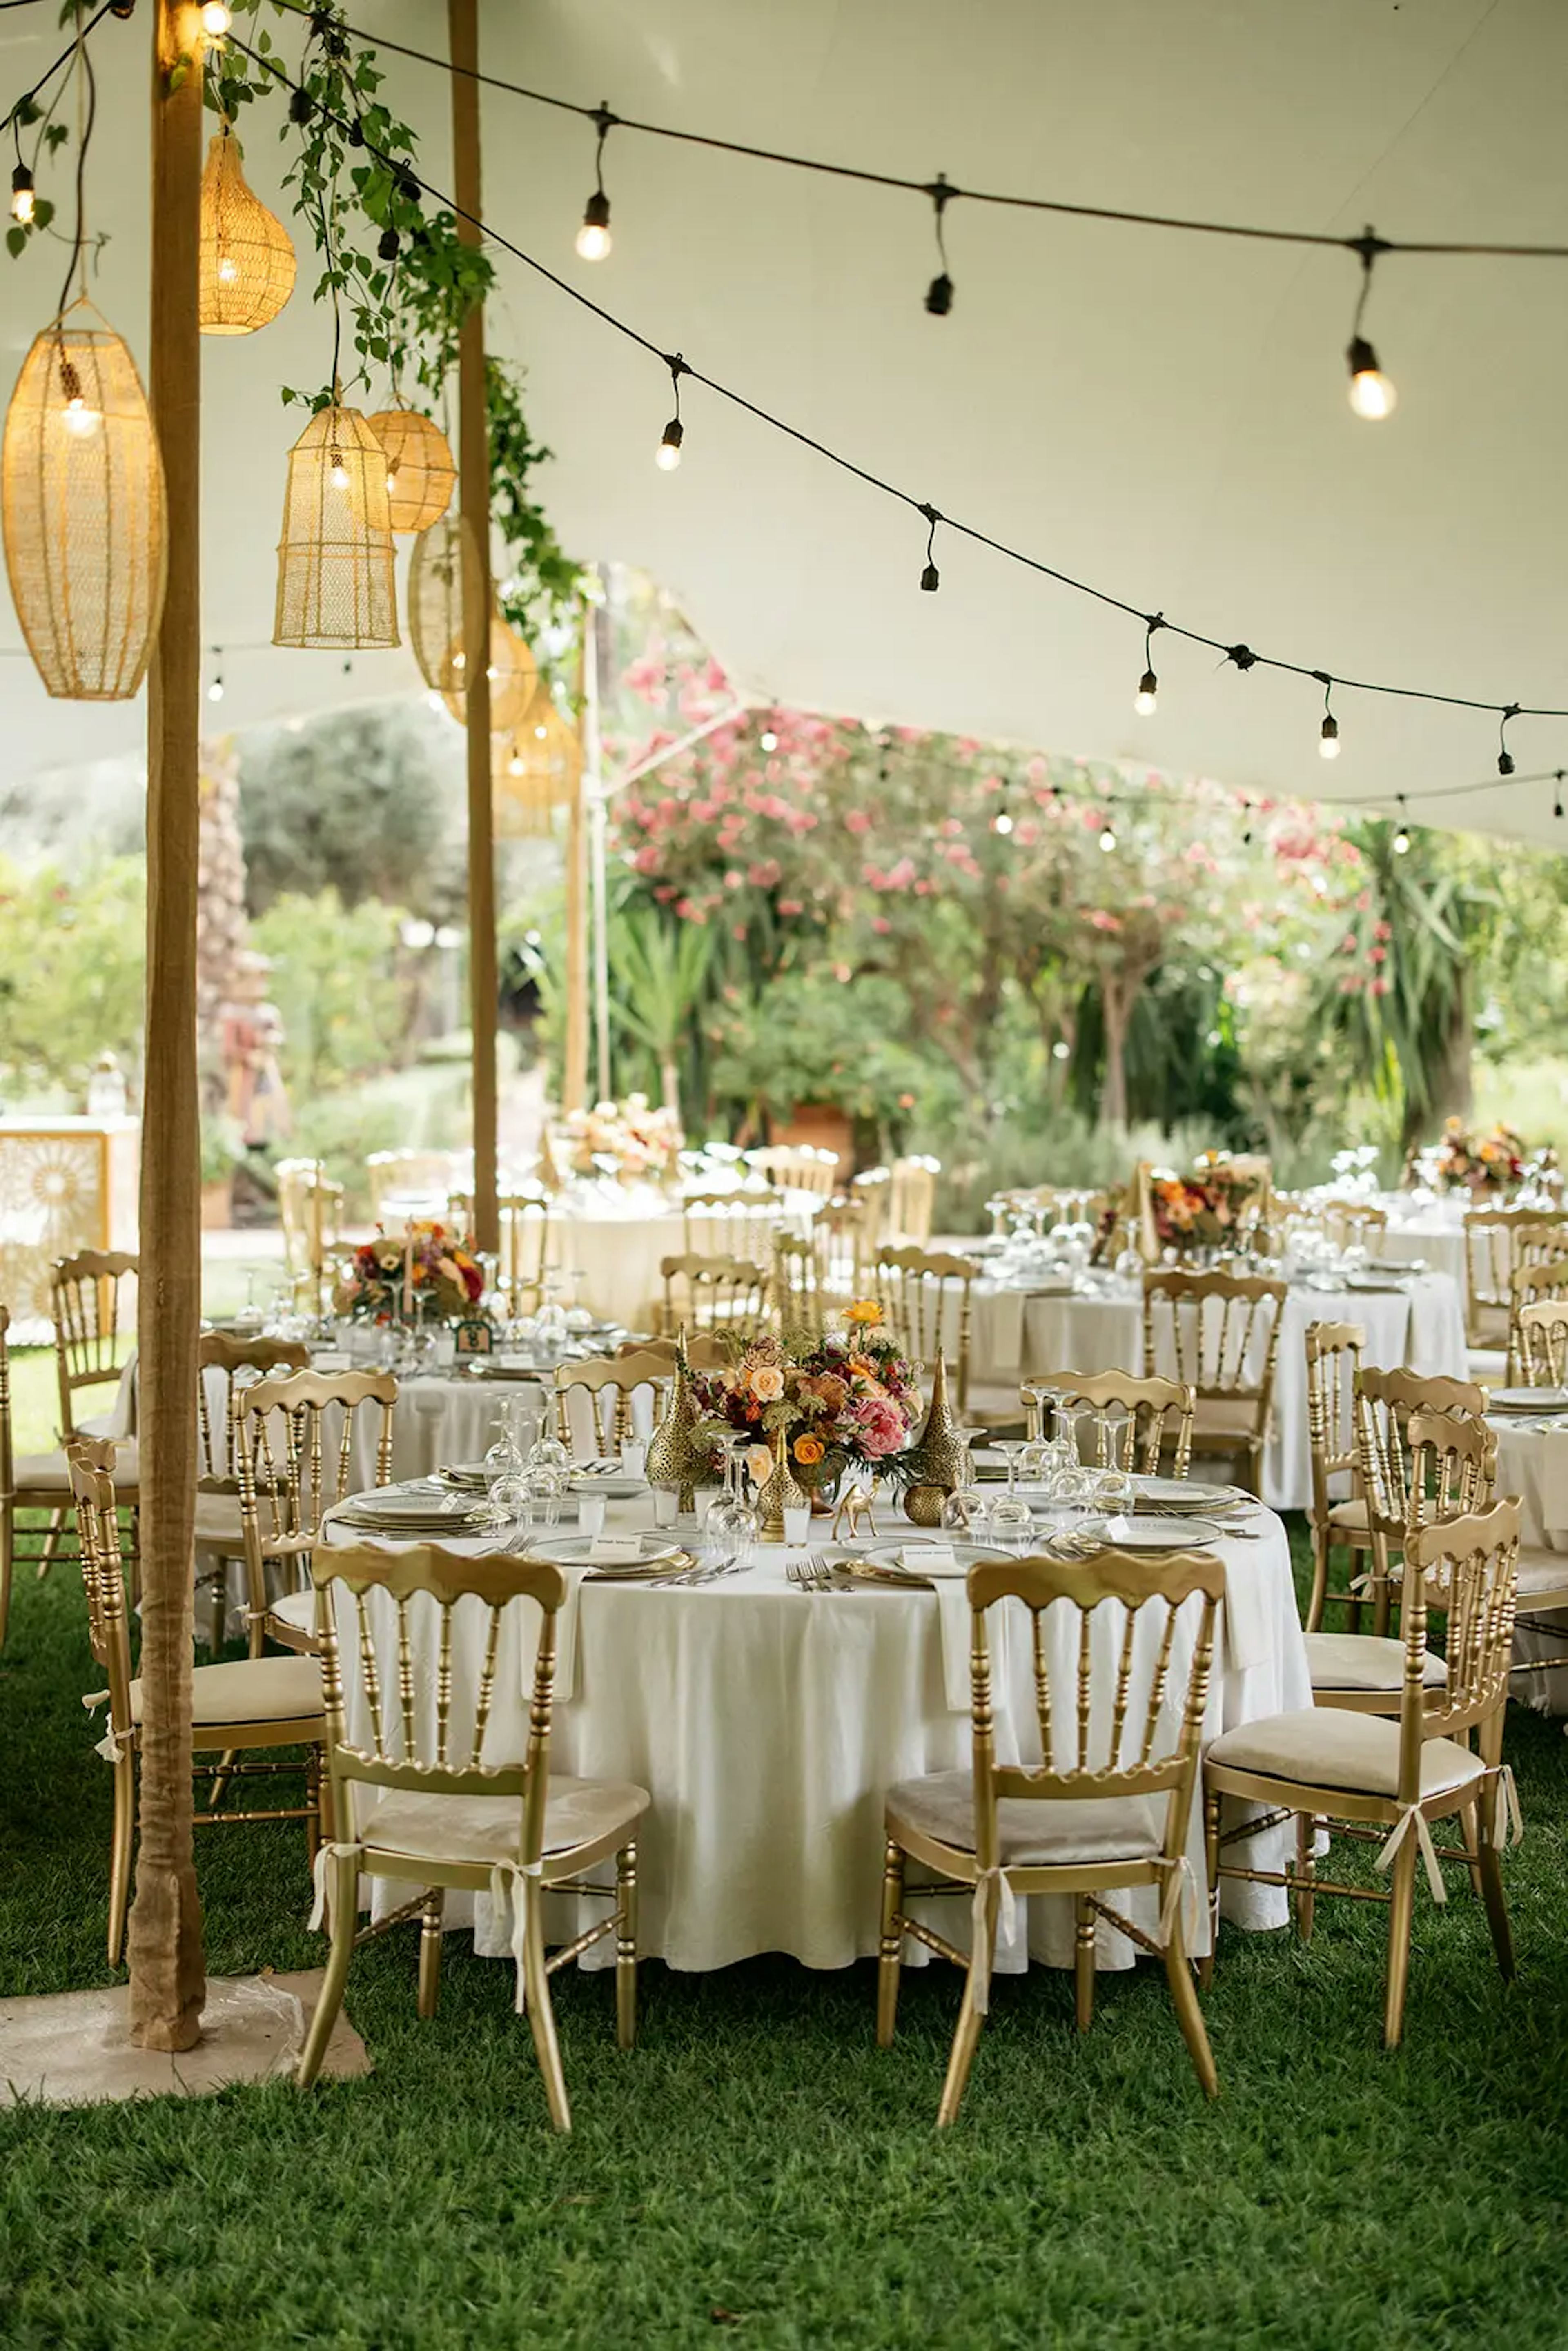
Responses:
[446,560]
[514,677]
[336,587]
[536,772]
[81,486]
[246,256]
[422,471]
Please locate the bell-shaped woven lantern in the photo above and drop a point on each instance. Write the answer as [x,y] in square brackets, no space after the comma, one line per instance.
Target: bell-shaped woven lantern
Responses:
[536,771]
[446,561]
[336,585]
[85,521]
[514,677]
[422,471]
[247,258]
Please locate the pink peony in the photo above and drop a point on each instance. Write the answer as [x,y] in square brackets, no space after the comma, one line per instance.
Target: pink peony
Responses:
[881,1425]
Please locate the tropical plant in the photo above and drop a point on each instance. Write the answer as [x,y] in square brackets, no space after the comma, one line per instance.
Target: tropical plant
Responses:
[658,976]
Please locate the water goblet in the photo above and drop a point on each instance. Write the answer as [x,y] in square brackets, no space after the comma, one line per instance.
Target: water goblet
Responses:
[544,1488]
[548,1453]
[966,1513]
[1011,1522]
[507,1505]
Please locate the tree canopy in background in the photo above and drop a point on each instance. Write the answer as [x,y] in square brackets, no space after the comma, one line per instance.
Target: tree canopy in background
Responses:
[367,802]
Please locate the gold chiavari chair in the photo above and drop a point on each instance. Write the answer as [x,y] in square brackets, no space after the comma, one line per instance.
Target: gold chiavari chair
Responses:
[1400,1774]
[706,1351]
[398,1175]
[1542,1361]
[524,1222]
[1543,1282]
[1338,1523]
[730,1224]
[1543,1342]
[1445,1464]
[255,1702]
[842,1242]
[912,1199]
[1223,1331]
[603,1376]
[1497,1241]
[797,1301]
[93,1329]
[293,1468]
[420,1802]
[1353,1224]
[797,1167]
[37,1482]
[713,1293]
[1159,1416]
[310,1209]
[926,1303]
[1385,1402]
[1087,1821]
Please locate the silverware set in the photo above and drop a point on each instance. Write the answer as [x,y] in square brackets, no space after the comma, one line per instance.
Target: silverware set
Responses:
[814,1574]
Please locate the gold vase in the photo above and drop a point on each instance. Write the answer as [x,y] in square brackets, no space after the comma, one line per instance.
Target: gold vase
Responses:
[781,1491]
[939,1456]
[675,1456]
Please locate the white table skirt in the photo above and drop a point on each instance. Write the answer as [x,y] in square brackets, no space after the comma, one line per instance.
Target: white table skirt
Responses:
[619,1257]
[1533,1464]
[768,1726]
[1422,1326]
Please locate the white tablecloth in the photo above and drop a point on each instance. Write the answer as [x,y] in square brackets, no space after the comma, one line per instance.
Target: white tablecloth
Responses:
[1019,1335]
[768,1726]
[1533,1464]
[618,1254]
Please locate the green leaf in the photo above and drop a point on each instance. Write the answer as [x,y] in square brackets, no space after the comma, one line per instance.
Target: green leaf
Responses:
[16,241]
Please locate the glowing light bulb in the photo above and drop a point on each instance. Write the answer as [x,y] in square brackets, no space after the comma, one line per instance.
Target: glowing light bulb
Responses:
[1147,696]
[768,740]
[22,194]
[1401,842]
[339,474]
[215,691]
[514,764]
[1328,737]
[459,661]
[216,18]
[229,270]
[1371,394]
[391,479]
[80,420]
[1001,822]
[541,731]
[1108,840]
[593,238]
[667,455]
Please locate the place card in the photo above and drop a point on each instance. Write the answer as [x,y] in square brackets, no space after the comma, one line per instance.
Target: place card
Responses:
[925,1558]
[615,1551]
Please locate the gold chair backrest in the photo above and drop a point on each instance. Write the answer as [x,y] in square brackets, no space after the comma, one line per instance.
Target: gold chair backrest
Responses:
[310,1209]
[1349,1223]
[1333,1358]
[407,1171]
[440,1751]
[1160,1414]
[230,1359]
[706,1351]
[1386,1403]
[872,1187]
[1499,1239]
[91,1461]
[1450,1467]
[86,1298]
[797,1167]
[1218,1323]
[1135,1733]
[1467,1566]
[730,1224]
[289,1475]
[1540,1280]
[841,1243]
[621,1376]
[922,1293]
[713,1293]
[797,1300]
[524,1222]
[912,1199]
[1543,1342]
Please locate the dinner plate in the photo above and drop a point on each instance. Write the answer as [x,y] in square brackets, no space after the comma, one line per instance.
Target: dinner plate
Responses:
[907,1559]
[1185,1494]
[1161,1534]
[471,1476]
[616,1489]
[655,1550]
[1527,1400]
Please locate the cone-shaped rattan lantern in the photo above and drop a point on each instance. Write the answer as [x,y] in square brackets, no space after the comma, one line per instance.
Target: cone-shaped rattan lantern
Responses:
[514,677]
[536,772]
[247,258]
[422,471]
[82,481]
[336,586]
[444,558]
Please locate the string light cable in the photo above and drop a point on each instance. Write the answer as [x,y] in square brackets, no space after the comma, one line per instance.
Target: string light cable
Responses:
[1241,656]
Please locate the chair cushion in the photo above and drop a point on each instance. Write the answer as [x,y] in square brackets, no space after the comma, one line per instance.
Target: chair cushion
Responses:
[487,1828]
[251,1689]
[1351,1515]
[1031,1832]
[41,1473]
[296,1609]
[1364,1661]
[218,1526]
[1328,1747]
[1234,1418]
[1540,1572]
[1489,1364]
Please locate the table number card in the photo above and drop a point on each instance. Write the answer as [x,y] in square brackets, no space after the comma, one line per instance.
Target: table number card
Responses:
[473,1336]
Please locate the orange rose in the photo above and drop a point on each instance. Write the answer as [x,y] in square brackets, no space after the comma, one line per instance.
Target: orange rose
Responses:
[809,1451]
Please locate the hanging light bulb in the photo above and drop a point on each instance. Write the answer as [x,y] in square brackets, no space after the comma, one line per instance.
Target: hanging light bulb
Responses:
[1002,823]
[594,241]
[22,194]
[216,18]
[1328,737]
[1402,838]
[1108,837]
[1371,394]
[667,455]
[939,292]
[1504,755]
[340,473]
[769,739]
[215,691]
[1146,700]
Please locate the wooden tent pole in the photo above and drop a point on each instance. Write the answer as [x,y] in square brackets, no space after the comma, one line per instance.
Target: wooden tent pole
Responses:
[474,475]
[574,1074]
[167,1981]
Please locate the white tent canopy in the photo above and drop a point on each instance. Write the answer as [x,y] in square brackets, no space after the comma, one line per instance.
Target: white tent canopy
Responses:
[1161,414]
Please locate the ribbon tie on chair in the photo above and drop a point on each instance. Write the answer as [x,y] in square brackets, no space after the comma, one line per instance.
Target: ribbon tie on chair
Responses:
[114,1742]
[1513,1819]
[1414,1817]
[325,1854]
[1181,1891]
[524,1879]
[984,1945]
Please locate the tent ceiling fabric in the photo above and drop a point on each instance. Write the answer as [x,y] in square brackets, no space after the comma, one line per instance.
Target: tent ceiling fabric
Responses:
[1165,415]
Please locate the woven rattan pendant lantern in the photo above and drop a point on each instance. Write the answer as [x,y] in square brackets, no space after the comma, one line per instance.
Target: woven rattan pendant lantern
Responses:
[421,472]
[444,564]
[82,481]
[247,259]
[514,678]
[536,772]
[336,585]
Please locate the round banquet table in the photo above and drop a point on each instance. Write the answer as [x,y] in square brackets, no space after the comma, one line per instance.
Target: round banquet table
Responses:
[1020,1335]
[614,1238]
[767,1724]
[1532,1462]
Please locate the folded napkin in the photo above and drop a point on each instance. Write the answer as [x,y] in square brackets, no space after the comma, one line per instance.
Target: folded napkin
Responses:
[999,1313]
[1247,1634]
[954,1617]
[1553,1443]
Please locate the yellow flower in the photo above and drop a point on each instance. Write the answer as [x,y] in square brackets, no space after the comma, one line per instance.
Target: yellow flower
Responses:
[809,1450]
[864,1310]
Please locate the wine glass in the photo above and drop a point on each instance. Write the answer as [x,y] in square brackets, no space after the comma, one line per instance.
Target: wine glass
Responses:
[1010,1521]
[1009,1448]
[966,1512]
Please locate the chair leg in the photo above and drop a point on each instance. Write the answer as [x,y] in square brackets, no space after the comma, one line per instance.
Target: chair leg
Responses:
[1211,1869]
[1319,1577]
[313,1799]
[123,1838]
[345,1916]
[889,1950]
[626,1946]
[220,1786]
[1306,1871]
[1401,1905]
[1492,1894]
[1189,2015]
[1083,1962]
[1471,1829]
[51,1542]
[967,2032]
[542,2021]
[430,1950]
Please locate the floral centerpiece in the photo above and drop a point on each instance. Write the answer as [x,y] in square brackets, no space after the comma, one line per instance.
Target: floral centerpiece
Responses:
[1208,1208]
[844,1399]
[1490,1162]
[429,1275]
[643,1139]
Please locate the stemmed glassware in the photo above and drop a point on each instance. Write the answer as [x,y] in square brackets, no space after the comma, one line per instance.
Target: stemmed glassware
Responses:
[732,1527]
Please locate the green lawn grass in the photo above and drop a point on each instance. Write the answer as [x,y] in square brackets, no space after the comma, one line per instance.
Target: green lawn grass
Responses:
[756,2169]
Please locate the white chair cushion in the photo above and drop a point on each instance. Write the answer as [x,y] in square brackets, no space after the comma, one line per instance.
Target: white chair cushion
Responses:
[1351,1515]
[1031,1832]
[251,1689]
[1330,1747]
[1364,1661]
[296,1609]
[488,1828]
[1540,1572]
[1488,1364]
[218,1526]
[41,1473]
